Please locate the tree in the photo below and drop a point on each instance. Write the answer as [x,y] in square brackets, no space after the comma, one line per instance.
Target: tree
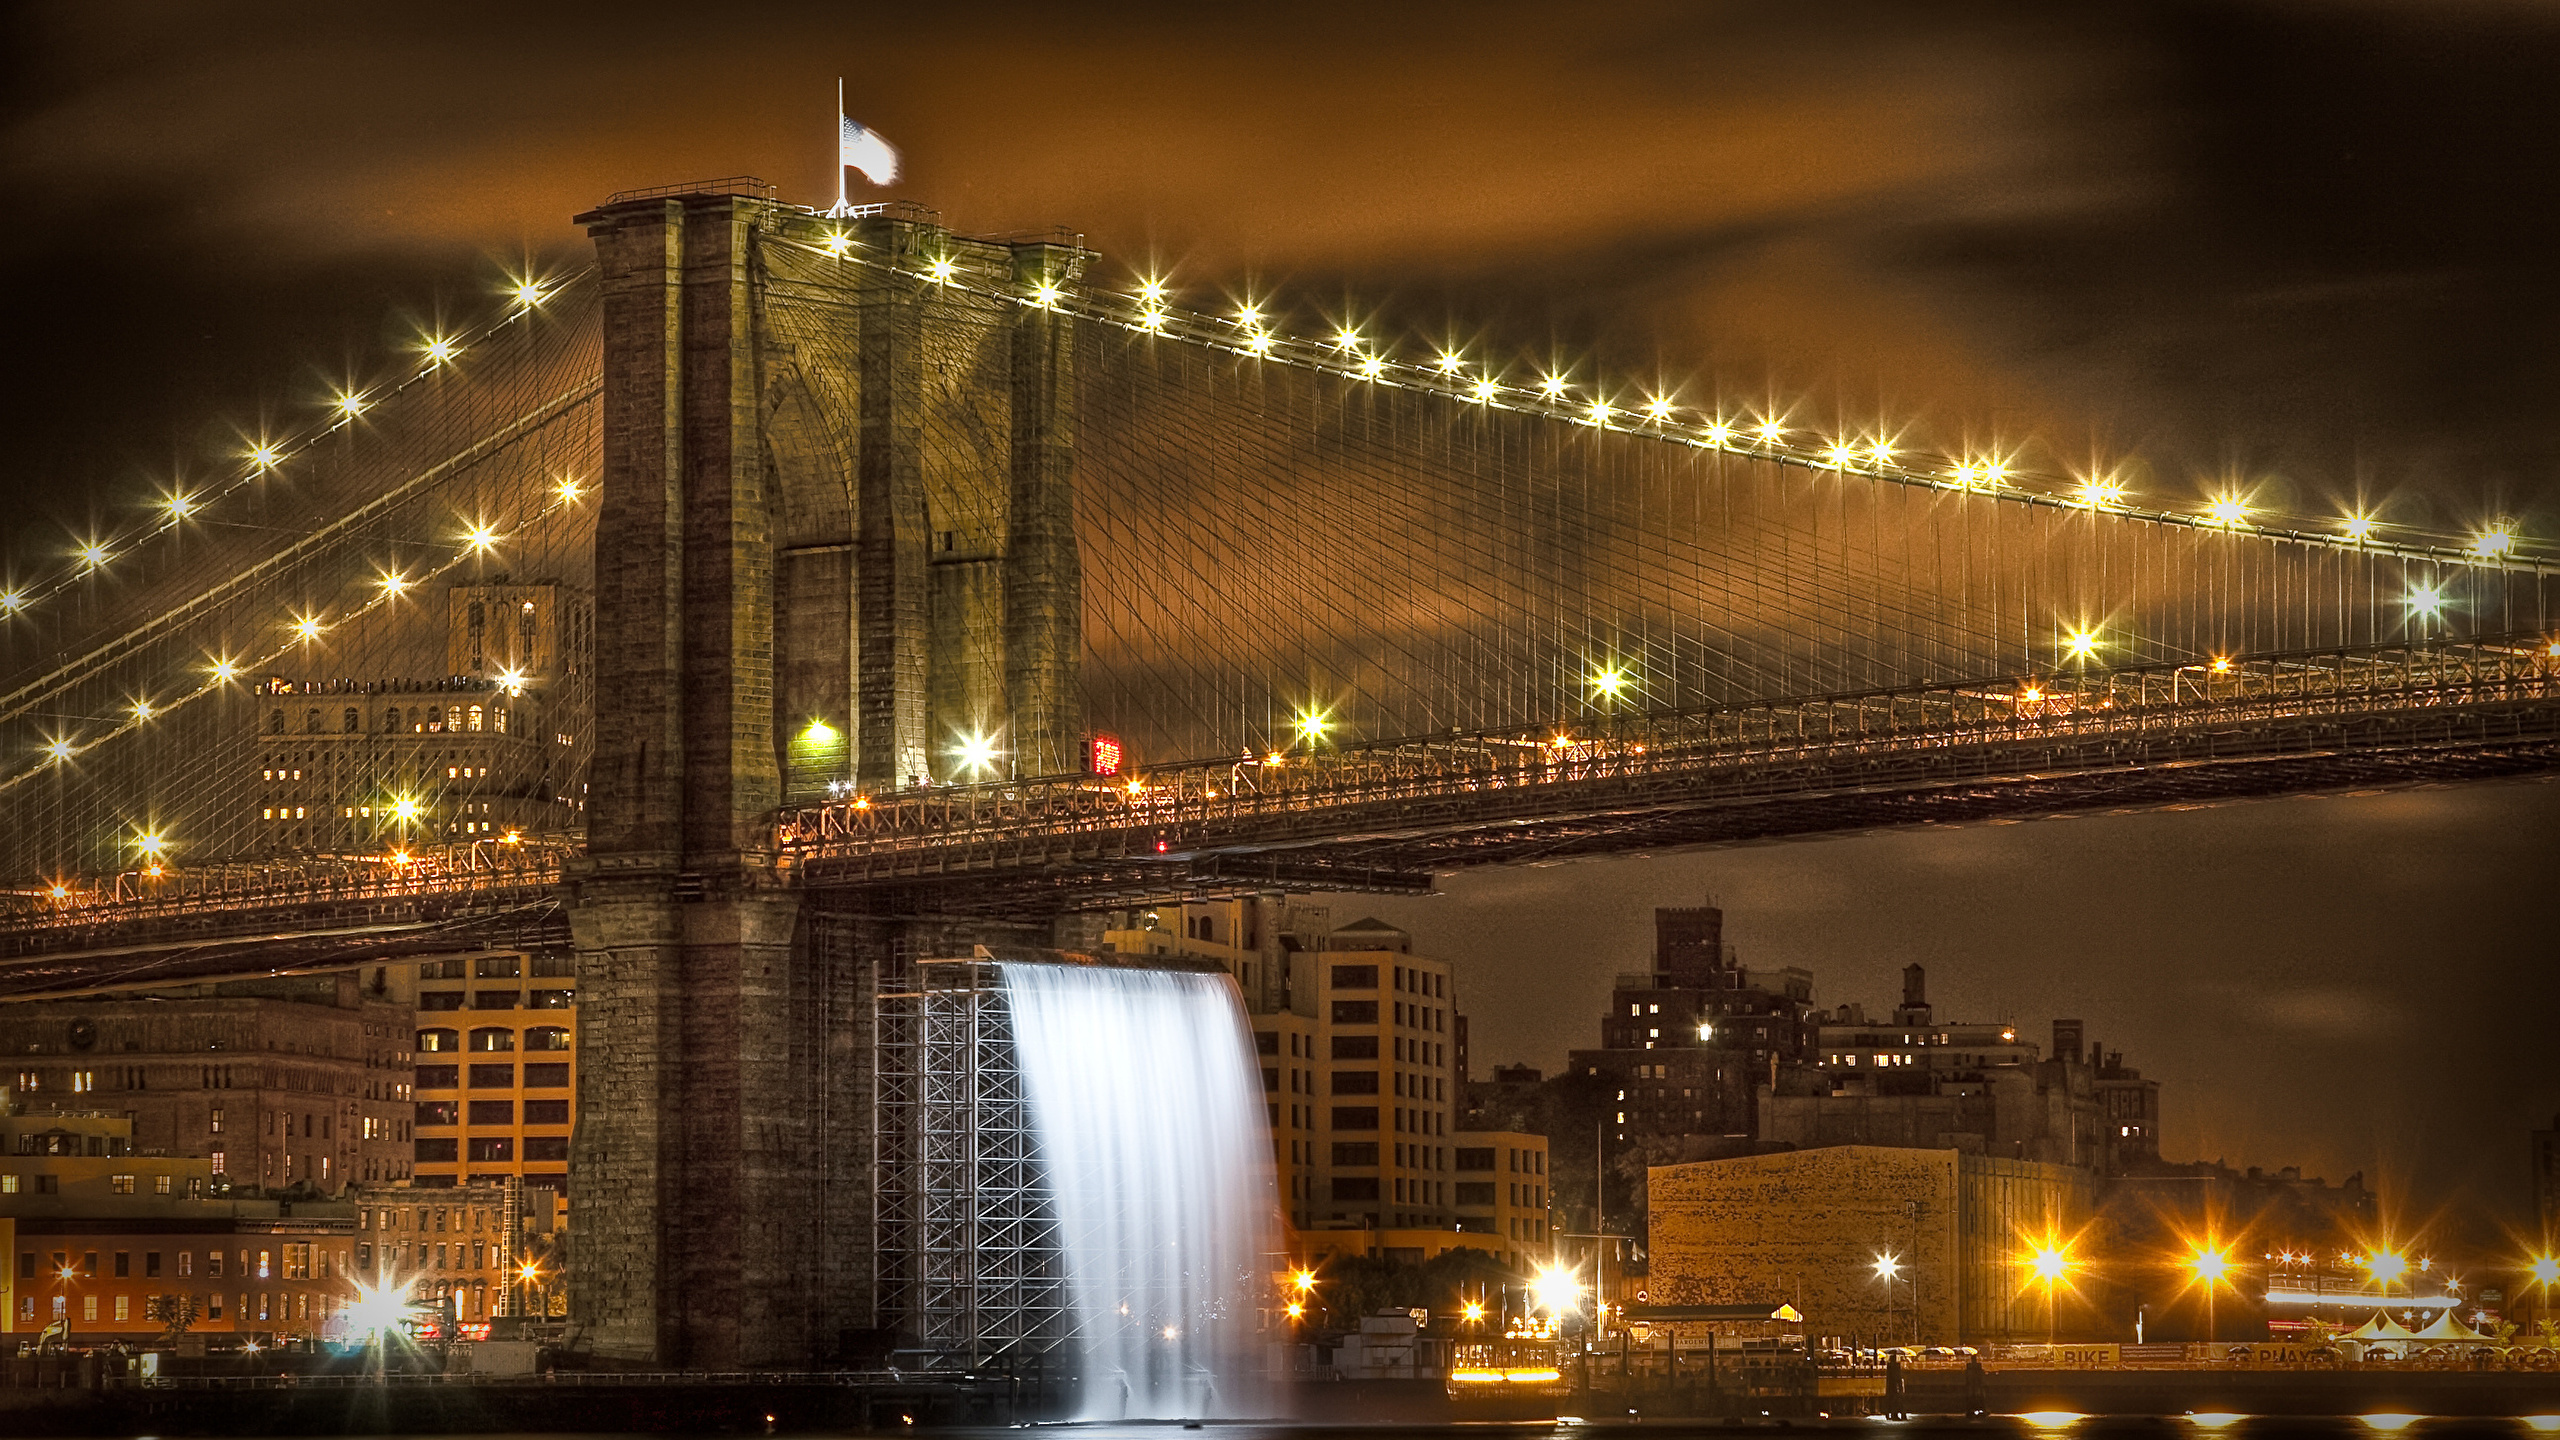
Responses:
[177,1312]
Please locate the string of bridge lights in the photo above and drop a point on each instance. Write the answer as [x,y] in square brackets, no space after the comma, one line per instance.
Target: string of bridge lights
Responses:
[436,351]
[302,629]
[1252,330]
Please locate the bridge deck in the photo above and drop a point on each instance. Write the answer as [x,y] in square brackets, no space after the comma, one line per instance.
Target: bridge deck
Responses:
[1386,816]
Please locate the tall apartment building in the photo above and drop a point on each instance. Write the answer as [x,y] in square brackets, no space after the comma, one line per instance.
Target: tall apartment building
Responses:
[496,1085]
[484,750]
[290,1082]
[1359,1044]
[1690,1043]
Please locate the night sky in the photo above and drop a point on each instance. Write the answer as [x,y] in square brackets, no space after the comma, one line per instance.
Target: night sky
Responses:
[2302,249]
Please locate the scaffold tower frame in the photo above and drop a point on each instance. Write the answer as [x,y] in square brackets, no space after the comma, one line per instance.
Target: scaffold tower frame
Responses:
[968,1240]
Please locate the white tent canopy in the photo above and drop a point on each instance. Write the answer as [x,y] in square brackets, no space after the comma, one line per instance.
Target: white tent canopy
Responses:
[2448,1330]
[2381,1327]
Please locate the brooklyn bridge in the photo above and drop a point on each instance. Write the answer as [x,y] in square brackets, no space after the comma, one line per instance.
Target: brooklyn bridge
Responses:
[789,596]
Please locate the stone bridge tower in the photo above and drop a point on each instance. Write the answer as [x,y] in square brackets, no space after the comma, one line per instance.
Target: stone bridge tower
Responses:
[836,549]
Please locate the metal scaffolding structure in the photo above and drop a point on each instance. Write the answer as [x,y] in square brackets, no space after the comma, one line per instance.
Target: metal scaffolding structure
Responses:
[967,1238]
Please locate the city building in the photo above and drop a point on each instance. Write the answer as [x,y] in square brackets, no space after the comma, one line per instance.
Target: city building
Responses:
[2297,1252]
[1501,1190]
[287,1083]
[370,767]
[464,1242]
[1358,1039]
[1690,1044]
[1978,1087]
[112,1241]
[495,1078]
[1881,1245]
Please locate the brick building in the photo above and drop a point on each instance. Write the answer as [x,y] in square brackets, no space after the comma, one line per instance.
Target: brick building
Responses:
[282,1083]
[1690,1043]
[1980,1088]
[1809,1227]
[101,1236]
[462,1241]
[479,751]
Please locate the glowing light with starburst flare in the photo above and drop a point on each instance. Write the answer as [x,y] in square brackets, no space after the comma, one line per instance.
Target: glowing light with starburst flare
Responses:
[2209,1263]
[976,753]
[378,1310]
[1556,1290]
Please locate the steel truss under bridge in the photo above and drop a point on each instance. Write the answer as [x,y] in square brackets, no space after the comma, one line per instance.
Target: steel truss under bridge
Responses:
[1389,815]
[1377,814]
[967,1239]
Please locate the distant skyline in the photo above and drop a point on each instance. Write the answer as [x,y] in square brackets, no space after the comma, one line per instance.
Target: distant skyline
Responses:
[2340,983]
[2302,251]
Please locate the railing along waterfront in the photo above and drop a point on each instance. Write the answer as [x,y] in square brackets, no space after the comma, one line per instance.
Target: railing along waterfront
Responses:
[2236,709]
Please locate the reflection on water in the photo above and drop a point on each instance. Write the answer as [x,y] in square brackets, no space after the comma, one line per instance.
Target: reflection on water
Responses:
[2222,1426]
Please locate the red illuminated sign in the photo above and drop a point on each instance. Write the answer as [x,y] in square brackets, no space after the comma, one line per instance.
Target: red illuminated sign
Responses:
[1102,755]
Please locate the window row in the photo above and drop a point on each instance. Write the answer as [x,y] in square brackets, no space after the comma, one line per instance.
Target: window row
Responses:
[491,1148]
[499,1000]
[493,1077]
[492,1038]
[415,720]
[492,1112]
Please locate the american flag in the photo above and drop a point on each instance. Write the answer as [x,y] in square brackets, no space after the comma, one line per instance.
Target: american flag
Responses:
[865,151]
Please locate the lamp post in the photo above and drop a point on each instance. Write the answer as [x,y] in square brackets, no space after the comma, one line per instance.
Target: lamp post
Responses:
[2050,1262]
[1888,1269]
[2544,1272]
[2211,1266]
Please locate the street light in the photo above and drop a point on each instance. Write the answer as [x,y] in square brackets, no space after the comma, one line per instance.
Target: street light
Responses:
[2210,1264]
[1555,1290]
[2049,1261]
[1889,1269]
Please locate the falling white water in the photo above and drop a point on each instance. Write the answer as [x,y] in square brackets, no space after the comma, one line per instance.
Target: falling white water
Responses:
[1146,1097]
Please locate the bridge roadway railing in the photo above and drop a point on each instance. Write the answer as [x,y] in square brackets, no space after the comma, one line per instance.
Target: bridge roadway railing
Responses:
[2250,708]
[2231,709]
[493,870]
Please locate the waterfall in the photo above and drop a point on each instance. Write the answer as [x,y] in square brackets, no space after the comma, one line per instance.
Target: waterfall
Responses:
[1147,1103]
